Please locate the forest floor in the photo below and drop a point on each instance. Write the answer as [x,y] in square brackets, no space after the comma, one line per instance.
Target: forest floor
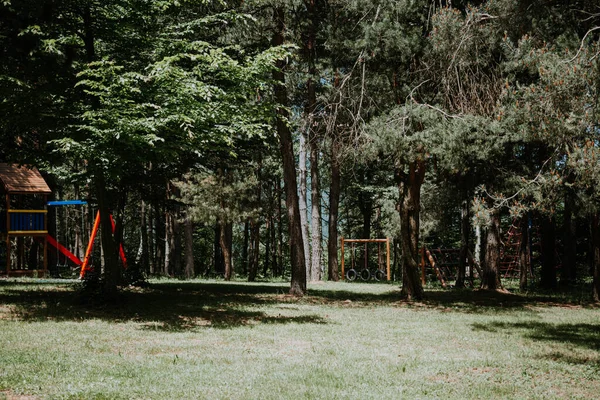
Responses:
[217,340]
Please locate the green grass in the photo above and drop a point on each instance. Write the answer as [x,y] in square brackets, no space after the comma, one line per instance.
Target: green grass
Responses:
[219,340]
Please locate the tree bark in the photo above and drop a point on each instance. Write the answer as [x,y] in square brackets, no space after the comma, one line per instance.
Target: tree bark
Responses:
[313,140]
[298,261]
[334,203]
[225,243]
[548,244]
[316,231]
[465,230]
[490,271]
[410,207]
[596,257]
[302,200]
[524,253]
[159,238]
[254,249]
[189,247]
[245,246]
[112,271]
[569,271]
[145,253]
[219,263]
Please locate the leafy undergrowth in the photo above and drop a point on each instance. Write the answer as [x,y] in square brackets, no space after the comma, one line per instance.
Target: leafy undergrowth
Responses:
[200,339]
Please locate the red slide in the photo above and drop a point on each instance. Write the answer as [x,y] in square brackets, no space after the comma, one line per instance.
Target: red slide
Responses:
[52,242]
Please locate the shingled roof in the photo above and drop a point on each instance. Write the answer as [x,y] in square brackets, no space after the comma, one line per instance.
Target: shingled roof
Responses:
[22,179]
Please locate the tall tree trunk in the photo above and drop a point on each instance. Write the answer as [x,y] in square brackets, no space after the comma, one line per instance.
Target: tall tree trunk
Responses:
[145,251]
[569,271]
[159,238]
[491,265]
[245,247]
[596,257]
[316,231]
[254,249]
[334,204]
[524,253]
[310,49]
[225,243]
[280,230]
[465,230]
[302,200]
[548,245]
[112,271]
[267,247]
[410,207]
[169,242]
[189,246]
[298,261]
[219,263]
[273,241]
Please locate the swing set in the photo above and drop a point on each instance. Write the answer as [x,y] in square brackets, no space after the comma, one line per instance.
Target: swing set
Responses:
[24,224]
[86,263]
[366,273]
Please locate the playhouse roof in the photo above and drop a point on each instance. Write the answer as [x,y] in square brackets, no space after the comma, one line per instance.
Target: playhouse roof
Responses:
[22,179]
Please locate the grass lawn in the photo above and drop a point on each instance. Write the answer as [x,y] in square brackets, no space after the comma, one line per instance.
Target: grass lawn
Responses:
[217,340]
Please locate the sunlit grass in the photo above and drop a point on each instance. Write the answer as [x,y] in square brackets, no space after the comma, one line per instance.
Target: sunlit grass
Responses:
[219,340]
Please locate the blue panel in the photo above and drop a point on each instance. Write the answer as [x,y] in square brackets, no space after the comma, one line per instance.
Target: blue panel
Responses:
[67,203]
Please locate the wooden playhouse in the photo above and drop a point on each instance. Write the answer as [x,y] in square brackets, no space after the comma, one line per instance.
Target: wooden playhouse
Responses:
[23,221]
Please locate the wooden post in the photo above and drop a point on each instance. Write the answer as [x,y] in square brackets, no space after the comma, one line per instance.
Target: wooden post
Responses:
[435,267]
[387,255]
[342,244]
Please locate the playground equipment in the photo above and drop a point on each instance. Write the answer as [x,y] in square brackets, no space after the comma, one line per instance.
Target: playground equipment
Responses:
[365,273]
[24,220]
[26,217]
[444,263]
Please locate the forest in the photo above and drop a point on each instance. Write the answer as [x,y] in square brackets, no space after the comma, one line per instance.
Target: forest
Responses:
[245,139]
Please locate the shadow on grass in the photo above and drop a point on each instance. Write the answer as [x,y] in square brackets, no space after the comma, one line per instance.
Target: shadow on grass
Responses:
[168,306]
[463,301]
[585,336]
[177,306]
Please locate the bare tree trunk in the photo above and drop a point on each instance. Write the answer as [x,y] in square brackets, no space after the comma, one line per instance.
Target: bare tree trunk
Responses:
[267,247]
[280,231]
[169,242]
[225,242]
[490,271]
[596,257]
[548,244]
[410,207]
[298,261]
[112,271]
[254,249]
[219,263]
[311,103]
[465,230]
[189,247]
[245,246]
[145,251]
[159,238]
[274,263]
[316,230]
[334,204]
[302,200]
[524,253]
[569,271]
